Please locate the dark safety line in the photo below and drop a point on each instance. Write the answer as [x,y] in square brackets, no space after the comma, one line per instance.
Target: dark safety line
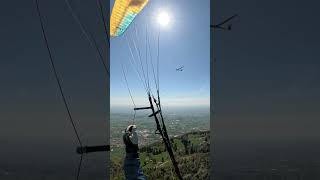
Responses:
[59,83]
[104,22]
[88,36]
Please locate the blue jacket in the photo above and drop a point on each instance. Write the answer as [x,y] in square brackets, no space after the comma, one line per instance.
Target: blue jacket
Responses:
[132,169]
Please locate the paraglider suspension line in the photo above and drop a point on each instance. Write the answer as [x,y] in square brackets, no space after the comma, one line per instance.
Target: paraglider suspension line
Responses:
[162,131]
[59,83]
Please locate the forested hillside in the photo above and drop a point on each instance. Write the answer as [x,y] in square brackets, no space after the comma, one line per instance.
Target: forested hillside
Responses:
[191,151]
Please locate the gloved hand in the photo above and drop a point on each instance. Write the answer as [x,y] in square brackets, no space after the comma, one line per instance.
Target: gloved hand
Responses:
[133,136]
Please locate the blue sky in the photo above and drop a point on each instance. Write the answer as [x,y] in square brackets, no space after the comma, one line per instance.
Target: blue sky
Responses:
[184,42]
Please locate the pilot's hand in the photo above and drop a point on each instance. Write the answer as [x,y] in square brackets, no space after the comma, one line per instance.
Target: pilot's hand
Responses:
[131,130]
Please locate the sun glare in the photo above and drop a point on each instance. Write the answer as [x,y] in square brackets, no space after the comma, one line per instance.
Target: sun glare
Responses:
[163,18]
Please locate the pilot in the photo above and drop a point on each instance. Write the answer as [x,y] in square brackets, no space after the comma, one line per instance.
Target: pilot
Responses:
[132,169]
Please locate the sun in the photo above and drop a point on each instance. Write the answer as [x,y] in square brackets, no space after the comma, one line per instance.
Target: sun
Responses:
[163,18]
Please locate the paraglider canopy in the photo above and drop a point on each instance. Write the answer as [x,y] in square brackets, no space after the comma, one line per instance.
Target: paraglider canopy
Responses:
[123,13]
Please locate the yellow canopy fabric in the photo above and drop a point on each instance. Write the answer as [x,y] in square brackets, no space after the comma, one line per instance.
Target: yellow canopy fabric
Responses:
[123,13]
